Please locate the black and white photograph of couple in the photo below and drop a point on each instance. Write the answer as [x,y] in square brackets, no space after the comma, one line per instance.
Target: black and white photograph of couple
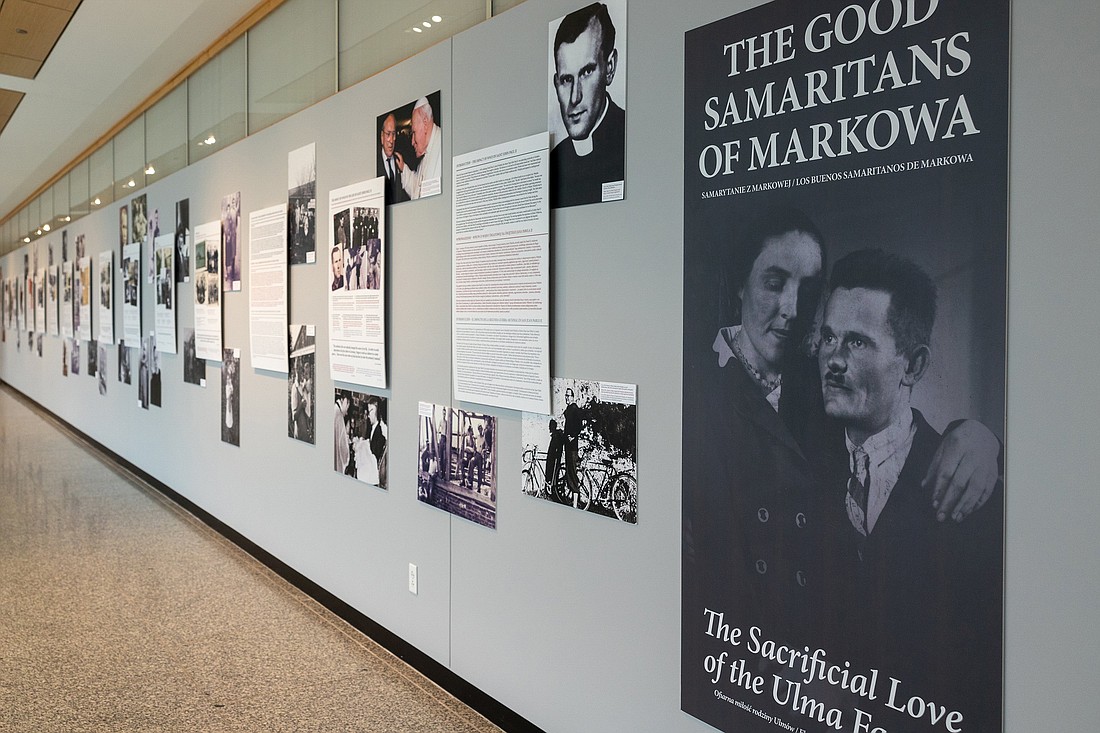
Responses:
[301,406]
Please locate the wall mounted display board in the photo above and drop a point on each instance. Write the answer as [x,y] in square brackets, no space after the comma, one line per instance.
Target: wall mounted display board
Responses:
[845,226]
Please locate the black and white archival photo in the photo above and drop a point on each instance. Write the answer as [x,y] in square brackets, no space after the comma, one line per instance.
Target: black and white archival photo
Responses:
[301,383]
[139,220]
[123,363]
[363,261]
[301,207]
[182,241]
[457,462]
[194,368]
[231,246]
[145,372]
[93,357]
[586,105]
[74,356]
[231,396]
[361,437]
[102,369]
[410,150]
[845,259]
[585,453]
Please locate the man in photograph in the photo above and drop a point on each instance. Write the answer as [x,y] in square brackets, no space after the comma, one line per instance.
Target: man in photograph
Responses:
[922,593]
[427,141]
[395,192]
[585,59]
[337,268]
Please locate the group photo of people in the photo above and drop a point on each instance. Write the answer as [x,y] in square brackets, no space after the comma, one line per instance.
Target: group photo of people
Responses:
[361,437]
[301,210]
[457,471]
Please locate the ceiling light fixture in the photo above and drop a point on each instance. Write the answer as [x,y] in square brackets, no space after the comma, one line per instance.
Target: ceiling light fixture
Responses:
[437,19]
[426,24]
[26,239]
[417,30]
[150,170]
[210,140]
[69,218]
[21,31]
[131,183]
[46,227]
[39,232]
[97,202]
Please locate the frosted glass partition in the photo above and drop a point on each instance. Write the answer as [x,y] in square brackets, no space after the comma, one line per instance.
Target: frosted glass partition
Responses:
[101,176]
[216,112]
[60,191]
[291,60]
[130,158]
[375,36]
[499,6]
[45,210]
[166,135]
[78,190]
[34,220]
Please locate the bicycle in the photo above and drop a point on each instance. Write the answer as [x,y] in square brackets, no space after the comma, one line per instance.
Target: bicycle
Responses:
[617,490]
[534,478]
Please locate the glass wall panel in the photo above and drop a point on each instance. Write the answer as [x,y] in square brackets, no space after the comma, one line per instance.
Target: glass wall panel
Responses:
[216,101]
[291,60]
[166,135]
[376,35]
[101,176]
[61,202]
[499,6]
[79,197]
[45,210]
[130,158]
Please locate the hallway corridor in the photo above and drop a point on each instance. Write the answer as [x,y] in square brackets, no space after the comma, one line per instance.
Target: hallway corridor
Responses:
[119,611]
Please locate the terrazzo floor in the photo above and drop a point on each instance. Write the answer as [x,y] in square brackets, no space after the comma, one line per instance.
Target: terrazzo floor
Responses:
[119,611]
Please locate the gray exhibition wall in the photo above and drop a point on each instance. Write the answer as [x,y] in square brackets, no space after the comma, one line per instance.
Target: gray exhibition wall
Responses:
[570,619]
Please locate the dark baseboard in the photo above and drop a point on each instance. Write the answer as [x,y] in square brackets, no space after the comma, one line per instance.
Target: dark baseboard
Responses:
[483,703]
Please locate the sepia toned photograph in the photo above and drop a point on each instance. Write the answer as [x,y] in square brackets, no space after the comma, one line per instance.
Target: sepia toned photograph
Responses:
[457,462]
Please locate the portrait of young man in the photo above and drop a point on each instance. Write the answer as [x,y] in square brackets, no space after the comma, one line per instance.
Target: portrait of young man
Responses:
[586,112]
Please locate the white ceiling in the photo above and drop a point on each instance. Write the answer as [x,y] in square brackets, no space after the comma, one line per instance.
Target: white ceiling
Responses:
[113,55]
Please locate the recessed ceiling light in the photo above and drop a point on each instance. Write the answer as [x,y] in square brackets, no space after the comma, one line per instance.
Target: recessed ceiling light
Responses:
[21,31]
[150,171]
[417,30]
[131,183]
[46,227]
[210,140]
[26,239]
[39,232]
[69,218]
[97,202]
[437,19]
[426,24]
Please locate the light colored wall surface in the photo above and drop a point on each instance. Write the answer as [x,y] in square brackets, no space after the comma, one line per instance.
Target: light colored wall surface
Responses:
[572,620]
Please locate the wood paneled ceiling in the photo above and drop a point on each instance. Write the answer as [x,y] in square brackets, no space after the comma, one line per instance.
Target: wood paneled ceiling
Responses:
[29,30]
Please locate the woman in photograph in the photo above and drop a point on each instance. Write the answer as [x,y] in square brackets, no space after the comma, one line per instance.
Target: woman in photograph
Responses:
[378,436]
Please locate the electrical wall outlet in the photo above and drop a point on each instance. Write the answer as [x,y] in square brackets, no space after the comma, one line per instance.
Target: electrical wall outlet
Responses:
[412,579]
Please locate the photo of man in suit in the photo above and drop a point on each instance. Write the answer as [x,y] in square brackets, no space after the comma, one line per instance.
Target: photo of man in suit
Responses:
[587,165]
[919,595]
[387,138]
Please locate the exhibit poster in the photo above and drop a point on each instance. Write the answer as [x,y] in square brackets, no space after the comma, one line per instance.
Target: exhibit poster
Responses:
[106,334]
[301,205]
[231,246]
[82,285]
[267,288]
[410,150]
[457,462]
[361,436]
[357,287]
[301,383]
[53,300]
[208,285]
[194,368]
[164,285]
[584,454]
[131,293]
[66,312]
[231,396]
[500,291]
[845,247]
[183,241]
[586,105]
